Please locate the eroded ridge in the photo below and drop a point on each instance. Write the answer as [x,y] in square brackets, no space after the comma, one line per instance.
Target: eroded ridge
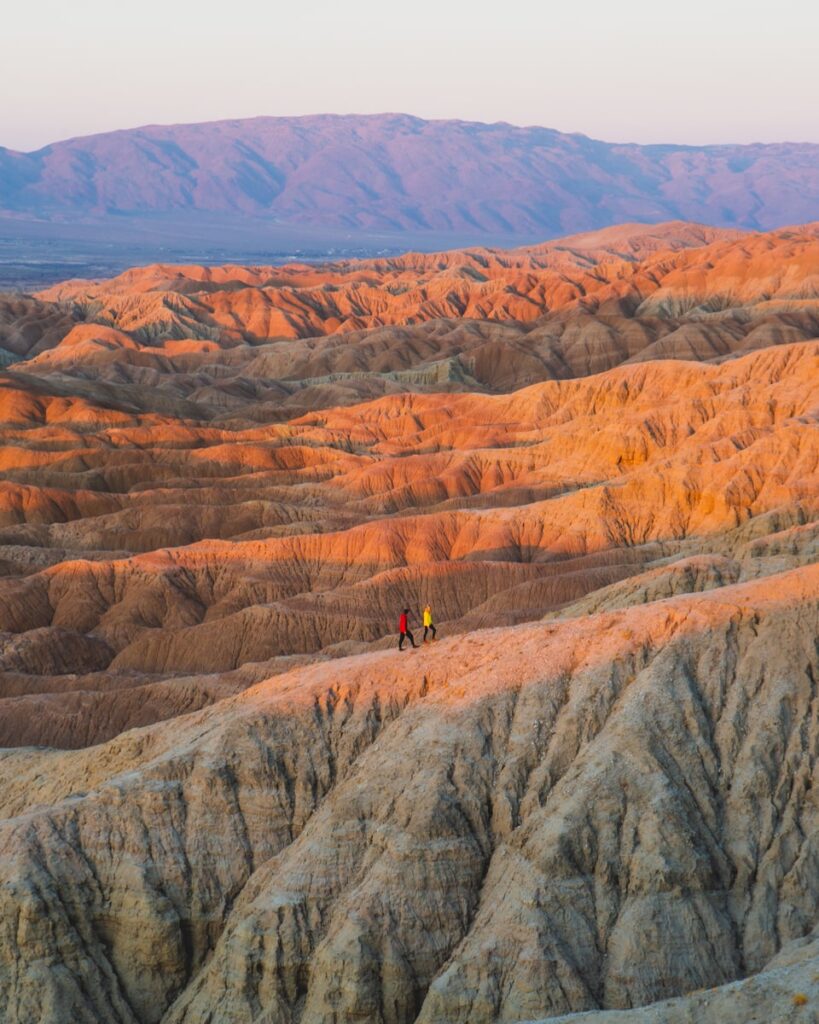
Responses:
[599,811]
[224,793]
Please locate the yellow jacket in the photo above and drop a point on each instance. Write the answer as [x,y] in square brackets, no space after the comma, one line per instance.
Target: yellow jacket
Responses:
[427,617]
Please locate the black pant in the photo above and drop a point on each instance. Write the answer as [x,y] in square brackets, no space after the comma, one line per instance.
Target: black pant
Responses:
[401,640]
[427,628]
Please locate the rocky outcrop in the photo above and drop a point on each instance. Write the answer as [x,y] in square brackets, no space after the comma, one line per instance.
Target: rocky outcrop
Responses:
[602,811]
[786,990]
[29,326]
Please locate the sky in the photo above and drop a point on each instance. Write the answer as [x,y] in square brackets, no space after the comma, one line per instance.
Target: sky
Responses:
[698,72]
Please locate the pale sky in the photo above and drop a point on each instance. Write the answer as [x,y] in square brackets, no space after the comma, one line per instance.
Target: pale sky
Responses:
[695,72]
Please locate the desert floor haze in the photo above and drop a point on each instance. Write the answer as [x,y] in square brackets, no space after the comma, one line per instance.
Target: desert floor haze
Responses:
[225,795]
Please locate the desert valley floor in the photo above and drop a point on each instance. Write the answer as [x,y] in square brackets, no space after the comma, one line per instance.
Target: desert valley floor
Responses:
[225,795]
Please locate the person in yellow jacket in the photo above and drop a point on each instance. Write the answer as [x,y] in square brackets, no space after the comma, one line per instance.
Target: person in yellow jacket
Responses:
[428,626]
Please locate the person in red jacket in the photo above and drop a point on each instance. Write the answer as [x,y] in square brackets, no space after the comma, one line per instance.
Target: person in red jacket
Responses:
[404,630]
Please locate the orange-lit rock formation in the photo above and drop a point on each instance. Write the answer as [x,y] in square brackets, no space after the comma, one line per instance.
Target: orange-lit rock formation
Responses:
[225,796]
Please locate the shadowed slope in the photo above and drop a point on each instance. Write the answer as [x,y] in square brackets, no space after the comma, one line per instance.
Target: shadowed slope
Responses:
[502,828]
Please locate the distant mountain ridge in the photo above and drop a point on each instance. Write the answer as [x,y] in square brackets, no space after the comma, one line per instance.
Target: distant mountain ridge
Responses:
[393,174]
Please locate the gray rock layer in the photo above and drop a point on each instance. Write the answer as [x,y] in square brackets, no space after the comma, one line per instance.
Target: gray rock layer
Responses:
[526,822]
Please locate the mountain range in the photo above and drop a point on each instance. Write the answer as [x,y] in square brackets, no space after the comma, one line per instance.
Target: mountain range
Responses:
[351,178]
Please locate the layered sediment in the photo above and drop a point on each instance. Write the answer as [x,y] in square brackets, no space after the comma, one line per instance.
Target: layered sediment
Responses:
[225,795]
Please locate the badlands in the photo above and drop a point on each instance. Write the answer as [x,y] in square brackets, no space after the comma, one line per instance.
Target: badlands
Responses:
[226,796]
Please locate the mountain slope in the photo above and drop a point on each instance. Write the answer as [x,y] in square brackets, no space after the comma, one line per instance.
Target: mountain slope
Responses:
[602,811]
[353,175]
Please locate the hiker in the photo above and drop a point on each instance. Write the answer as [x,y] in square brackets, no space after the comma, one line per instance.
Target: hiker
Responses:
[428,625]
[404,630]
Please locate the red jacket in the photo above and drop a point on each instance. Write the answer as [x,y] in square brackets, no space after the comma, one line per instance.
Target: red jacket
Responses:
[402,623]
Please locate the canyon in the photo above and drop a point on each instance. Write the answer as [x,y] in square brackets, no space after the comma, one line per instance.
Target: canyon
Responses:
[226,796]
